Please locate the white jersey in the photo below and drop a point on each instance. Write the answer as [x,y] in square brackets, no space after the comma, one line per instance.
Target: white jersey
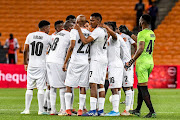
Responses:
[80,51]
[114,48]
[59,47]
[128,40]
[98,49]
[38,43]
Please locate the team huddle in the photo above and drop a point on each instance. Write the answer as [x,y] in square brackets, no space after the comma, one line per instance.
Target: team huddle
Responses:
[80,55]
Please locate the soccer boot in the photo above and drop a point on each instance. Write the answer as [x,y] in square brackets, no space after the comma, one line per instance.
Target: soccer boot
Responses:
[112,113]
[25,112]
[90,113]
[101,112]
[62,113]
[73,112]
[150,115]
[42,113]
[68,112]
[125,113]
[80,112]
[135,112]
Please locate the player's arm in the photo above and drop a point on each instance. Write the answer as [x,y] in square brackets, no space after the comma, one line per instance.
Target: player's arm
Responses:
[69,53]
[25,53]
[82,37]
[111,32]
[126,31]
[137,54]
[135,46]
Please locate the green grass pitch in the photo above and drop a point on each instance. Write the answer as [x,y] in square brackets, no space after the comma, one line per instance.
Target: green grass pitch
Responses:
[166,104]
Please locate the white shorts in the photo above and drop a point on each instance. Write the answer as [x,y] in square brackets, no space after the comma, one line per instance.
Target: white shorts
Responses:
[128,80]
[77,75]
[36,78]
[56,75]
[97,72]
[115,76]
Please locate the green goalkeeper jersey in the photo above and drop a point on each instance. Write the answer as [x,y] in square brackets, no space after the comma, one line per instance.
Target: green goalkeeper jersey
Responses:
[148,37]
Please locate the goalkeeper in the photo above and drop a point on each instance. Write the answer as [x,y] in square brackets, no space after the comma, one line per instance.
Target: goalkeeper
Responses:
[144,63]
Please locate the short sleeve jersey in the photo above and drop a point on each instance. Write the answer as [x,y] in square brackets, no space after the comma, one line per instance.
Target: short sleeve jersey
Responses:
[80,51]
[38,43]
[59,47]
[148,37]
[98,49]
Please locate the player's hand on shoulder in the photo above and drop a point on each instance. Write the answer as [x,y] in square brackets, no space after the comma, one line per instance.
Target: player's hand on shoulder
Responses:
[64,67]
[76,26]
[125,30]
[102,25]
[25,67]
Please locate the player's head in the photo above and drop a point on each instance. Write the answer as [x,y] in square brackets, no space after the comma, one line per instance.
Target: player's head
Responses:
[68,25]
[140,1]
[81,20]
[117,30]
[58,25]
[44,26]
[95,19]
[111,25]
[71,18]
[87,26]
[145,20]
[11,36]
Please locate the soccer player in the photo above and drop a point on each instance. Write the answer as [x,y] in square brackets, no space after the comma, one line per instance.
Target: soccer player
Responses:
[115,68]
[55,61]
[128,79]
[58,25]
[71,18]
[36,45]
[98,64]
[78,68]
[144,64]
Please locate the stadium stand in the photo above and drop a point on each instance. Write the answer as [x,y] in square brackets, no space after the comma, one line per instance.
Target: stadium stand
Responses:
[21,17]
[167,43]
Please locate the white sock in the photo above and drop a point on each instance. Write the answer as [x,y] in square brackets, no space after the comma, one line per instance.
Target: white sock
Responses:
[132,102]
[28,99]
[45,98]
[48,99]
[101,102]
[68,97]
[53,99]
[128,99]
[72,98]
[93,102]
[82,99]
[62,98]
[115,102]
[119,95]
[40,99]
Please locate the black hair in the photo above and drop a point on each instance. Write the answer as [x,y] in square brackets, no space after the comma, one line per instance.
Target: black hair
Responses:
[87,21]
[43,23]
[147,18]
[67,24]
[70,17]
[0,34]
[113,24]
[97,15]
[11,36]
[58,22]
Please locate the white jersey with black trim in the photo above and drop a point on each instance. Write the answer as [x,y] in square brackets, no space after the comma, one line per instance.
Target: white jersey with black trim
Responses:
[80,51]
[38,43]
[59,47]
[98,49]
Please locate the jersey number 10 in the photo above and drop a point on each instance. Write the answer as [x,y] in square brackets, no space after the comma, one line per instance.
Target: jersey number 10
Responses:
[37,48]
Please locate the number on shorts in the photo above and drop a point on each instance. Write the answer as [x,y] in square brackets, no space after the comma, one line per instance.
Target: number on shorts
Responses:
[111,79]
[125,77]
[90,73]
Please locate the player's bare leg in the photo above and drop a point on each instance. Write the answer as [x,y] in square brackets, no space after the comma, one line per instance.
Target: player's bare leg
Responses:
[28,99]
[128,100]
